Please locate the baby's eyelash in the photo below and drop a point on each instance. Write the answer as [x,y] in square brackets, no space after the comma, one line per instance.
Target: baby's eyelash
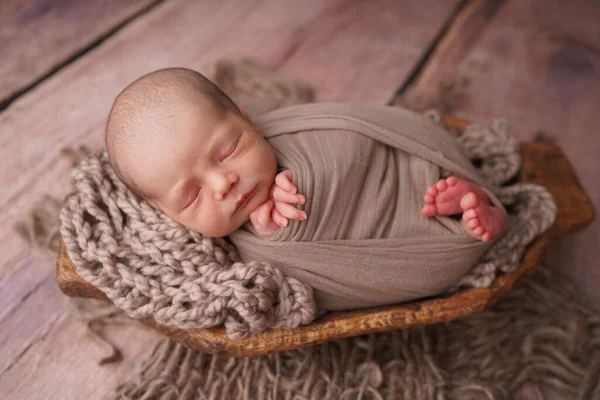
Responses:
[232,148]
[192,199]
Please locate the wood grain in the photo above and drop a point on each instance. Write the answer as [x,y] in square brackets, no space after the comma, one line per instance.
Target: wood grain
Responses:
[61,361]
[39,338]
[37,36]
[543,164]
[360,52]
[537,63]
[70,108]
[20,331]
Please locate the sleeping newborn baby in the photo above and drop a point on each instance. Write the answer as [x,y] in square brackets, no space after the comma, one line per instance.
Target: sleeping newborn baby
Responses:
[378,229]
[180,143]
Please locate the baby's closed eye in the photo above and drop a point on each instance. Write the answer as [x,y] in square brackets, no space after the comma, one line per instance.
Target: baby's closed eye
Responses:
[231,149]
[192,197]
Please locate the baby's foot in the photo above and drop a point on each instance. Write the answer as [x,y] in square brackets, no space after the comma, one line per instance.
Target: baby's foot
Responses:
[482,220]
[444,197]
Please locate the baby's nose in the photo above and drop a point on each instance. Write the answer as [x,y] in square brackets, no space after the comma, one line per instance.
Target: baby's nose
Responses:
[224,183]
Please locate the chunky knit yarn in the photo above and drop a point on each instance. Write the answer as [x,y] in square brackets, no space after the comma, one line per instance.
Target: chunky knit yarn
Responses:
[151,266]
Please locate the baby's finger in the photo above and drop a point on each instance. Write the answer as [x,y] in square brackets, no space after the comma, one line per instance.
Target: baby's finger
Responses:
[289,211]
[284,180]
[261,216]
[261,219]
[281,195]
[278,218]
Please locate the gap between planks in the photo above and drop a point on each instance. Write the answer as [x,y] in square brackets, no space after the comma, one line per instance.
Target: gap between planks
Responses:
[5,103]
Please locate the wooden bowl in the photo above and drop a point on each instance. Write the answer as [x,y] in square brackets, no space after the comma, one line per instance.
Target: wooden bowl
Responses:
[543,164]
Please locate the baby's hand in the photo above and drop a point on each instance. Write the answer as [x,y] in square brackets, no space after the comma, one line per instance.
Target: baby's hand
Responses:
[275,213]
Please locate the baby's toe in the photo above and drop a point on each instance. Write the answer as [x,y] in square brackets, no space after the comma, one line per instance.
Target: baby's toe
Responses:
[473,223]
[429,210]
[469,214]
[469,201]
[432,191]
[479,231]
[486,237]
[441,185]
[429,199]
[452,181]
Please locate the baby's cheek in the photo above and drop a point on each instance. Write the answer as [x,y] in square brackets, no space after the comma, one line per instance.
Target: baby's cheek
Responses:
[264,160]
[211,214]
[204,214]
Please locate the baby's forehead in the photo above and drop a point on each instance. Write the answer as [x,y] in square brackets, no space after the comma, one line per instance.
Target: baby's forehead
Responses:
[169,110]
[183,125]
[157,117]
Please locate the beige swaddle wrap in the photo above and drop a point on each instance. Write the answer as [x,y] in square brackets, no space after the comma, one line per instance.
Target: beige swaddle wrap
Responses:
[364,172]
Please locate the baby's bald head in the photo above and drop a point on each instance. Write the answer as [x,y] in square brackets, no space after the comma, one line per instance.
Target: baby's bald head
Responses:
[147,109]
[181,144]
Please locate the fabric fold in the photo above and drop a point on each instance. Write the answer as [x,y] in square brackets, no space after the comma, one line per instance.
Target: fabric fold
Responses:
[364,172]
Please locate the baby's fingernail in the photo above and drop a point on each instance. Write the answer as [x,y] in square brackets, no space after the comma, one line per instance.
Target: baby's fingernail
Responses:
[305,216]
[284,222]
[301,199]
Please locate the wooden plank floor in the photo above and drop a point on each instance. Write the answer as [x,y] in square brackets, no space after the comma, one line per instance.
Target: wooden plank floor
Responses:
[536,62]
[39,36]
[349,50]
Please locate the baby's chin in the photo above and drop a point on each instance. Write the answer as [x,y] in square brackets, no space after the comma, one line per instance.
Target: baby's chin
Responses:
[215,233]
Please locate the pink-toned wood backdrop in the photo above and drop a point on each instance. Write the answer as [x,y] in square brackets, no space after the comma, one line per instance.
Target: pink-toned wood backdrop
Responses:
[536,62]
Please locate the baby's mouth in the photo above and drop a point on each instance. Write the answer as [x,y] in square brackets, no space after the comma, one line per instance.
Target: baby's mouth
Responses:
[244,199]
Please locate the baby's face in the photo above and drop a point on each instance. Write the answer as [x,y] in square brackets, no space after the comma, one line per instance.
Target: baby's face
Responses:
[208,172]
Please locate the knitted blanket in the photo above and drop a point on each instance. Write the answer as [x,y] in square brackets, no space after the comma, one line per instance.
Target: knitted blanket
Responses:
[150,266]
